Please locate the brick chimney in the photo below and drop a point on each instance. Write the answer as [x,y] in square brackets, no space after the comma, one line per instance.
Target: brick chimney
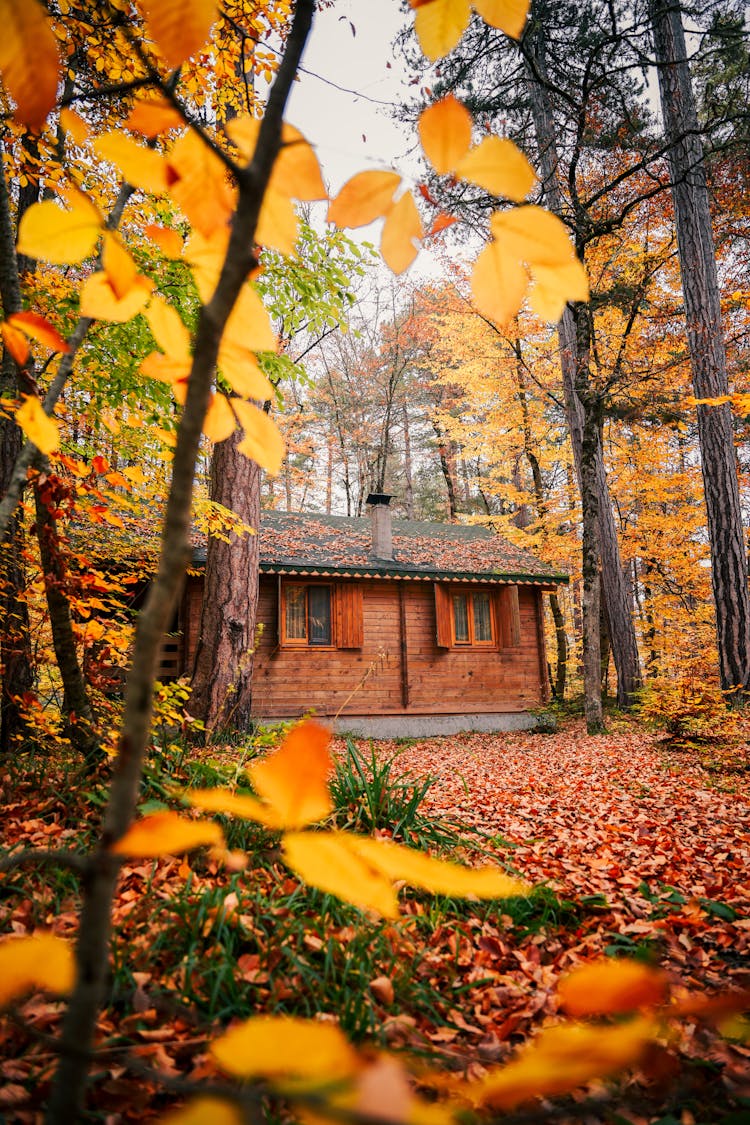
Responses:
[381,526]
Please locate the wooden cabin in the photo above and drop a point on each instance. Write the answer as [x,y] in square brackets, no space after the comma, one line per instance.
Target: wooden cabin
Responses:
[391,627]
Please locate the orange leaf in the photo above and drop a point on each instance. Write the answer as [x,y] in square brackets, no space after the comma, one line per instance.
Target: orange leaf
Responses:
[402,227]
[74,125]
[48,232]
[167,833]
[38,426]
[532,235]
[499,167]
[199,185]
[165,368]
[554,286]
[29,61]
[180,27]
[278,226]
[240,369]
[445,133]
[508,15]
[442,222]
[498,284]
[296,172]
[152,118]
[261,440]
[41,961]
[141,166]
[39,328]
[168,329]
[232,804]
[273,1046]
[169,241]
[294,779]
[249,325]
[607,987]
[365,197]
[16,343]
[119,266]
[219,423]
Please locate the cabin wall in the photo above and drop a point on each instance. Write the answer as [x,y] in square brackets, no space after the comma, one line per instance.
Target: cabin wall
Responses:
[380,678]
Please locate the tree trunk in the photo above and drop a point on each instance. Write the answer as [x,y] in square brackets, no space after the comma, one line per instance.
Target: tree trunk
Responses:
[223,669]
[705,335]
[408,477]
[615,590]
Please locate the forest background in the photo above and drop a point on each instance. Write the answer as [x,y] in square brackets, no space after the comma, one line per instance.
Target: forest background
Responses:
[585,443]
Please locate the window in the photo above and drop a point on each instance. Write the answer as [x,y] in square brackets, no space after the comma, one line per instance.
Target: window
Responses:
[314,615]
[472,618]
[307,615]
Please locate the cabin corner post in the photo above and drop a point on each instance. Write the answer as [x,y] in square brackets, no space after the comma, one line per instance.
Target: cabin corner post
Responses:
[404,647]
[542,647]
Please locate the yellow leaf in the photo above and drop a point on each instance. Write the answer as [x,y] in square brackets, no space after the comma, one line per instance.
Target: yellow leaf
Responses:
[141,167]
[204,1111]
[41,961]
[39,328]
[531,234]
[219,423]
[496,165]
[206,257]
[227,803]
[167,833]
[74,126]
[402,226]
[563,1058]
[508,15]
[364,198]
[243,133]
[29,61]
[38,426]
[439,25]
[179,27]
[119,266]
[436,875]
[498,284]
[607,987]
[445,133]
[283,1047]
[165,368]
[199,185]
[262,441]
[296,172]
[240,369]
[328,861]
[168,329]
[249,325]
[294,779]
[278,226]
[169,241]
[57,236]
[556,285]
[154,117]
[100,301]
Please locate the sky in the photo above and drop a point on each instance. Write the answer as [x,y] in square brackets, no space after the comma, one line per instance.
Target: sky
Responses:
[337,102]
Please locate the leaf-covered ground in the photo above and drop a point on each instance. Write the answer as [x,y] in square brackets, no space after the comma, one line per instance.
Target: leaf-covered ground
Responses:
[642,851]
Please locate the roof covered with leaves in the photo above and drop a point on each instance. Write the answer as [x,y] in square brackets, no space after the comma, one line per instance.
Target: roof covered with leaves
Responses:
[315,544]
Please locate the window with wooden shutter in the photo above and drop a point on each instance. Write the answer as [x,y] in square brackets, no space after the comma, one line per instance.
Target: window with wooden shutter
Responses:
[443,616]
[349,616]
[306,615]
[509,616]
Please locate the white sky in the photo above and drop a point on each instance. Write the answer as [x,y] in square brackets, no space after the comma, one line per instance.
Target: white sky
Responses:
[350,130]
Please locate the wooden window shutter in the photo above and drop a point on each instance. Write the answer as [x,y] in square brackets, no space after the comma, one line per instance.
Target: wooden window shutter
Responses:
[349,617]
[443,611]
[510,617]
[279,613]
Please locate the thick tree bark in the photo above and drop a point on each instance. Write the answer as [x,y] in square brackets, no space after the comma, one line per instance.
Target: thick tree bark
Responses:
[96,922]
[223,669]
[617,596]
[79,718]
[15,646]
[705,335]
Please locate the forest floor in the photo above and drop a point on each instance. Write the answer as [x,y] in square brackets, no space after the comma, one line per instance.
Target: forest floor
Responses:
[637,850]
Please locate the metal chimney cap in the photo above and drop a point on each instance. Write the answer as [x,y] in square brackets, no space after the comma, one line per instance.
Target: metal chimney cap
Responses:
[376,499]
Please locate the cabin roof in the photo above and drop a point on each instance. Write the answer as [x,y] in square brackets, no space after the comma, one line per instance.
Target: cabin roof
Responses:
[312,544]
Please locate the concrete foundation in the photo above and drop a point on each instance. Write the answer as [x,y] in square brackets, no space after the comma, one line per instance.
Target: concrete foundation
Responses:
[425,726]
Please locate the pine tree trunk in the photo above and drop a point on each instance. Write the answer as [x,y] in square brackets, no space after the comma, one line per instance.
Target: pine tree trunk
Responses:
[223,670]
[705,335]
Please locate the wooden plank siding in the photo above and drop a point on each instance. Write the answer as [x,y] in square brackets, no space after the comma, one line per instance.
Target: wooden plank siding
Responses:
[398,660]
